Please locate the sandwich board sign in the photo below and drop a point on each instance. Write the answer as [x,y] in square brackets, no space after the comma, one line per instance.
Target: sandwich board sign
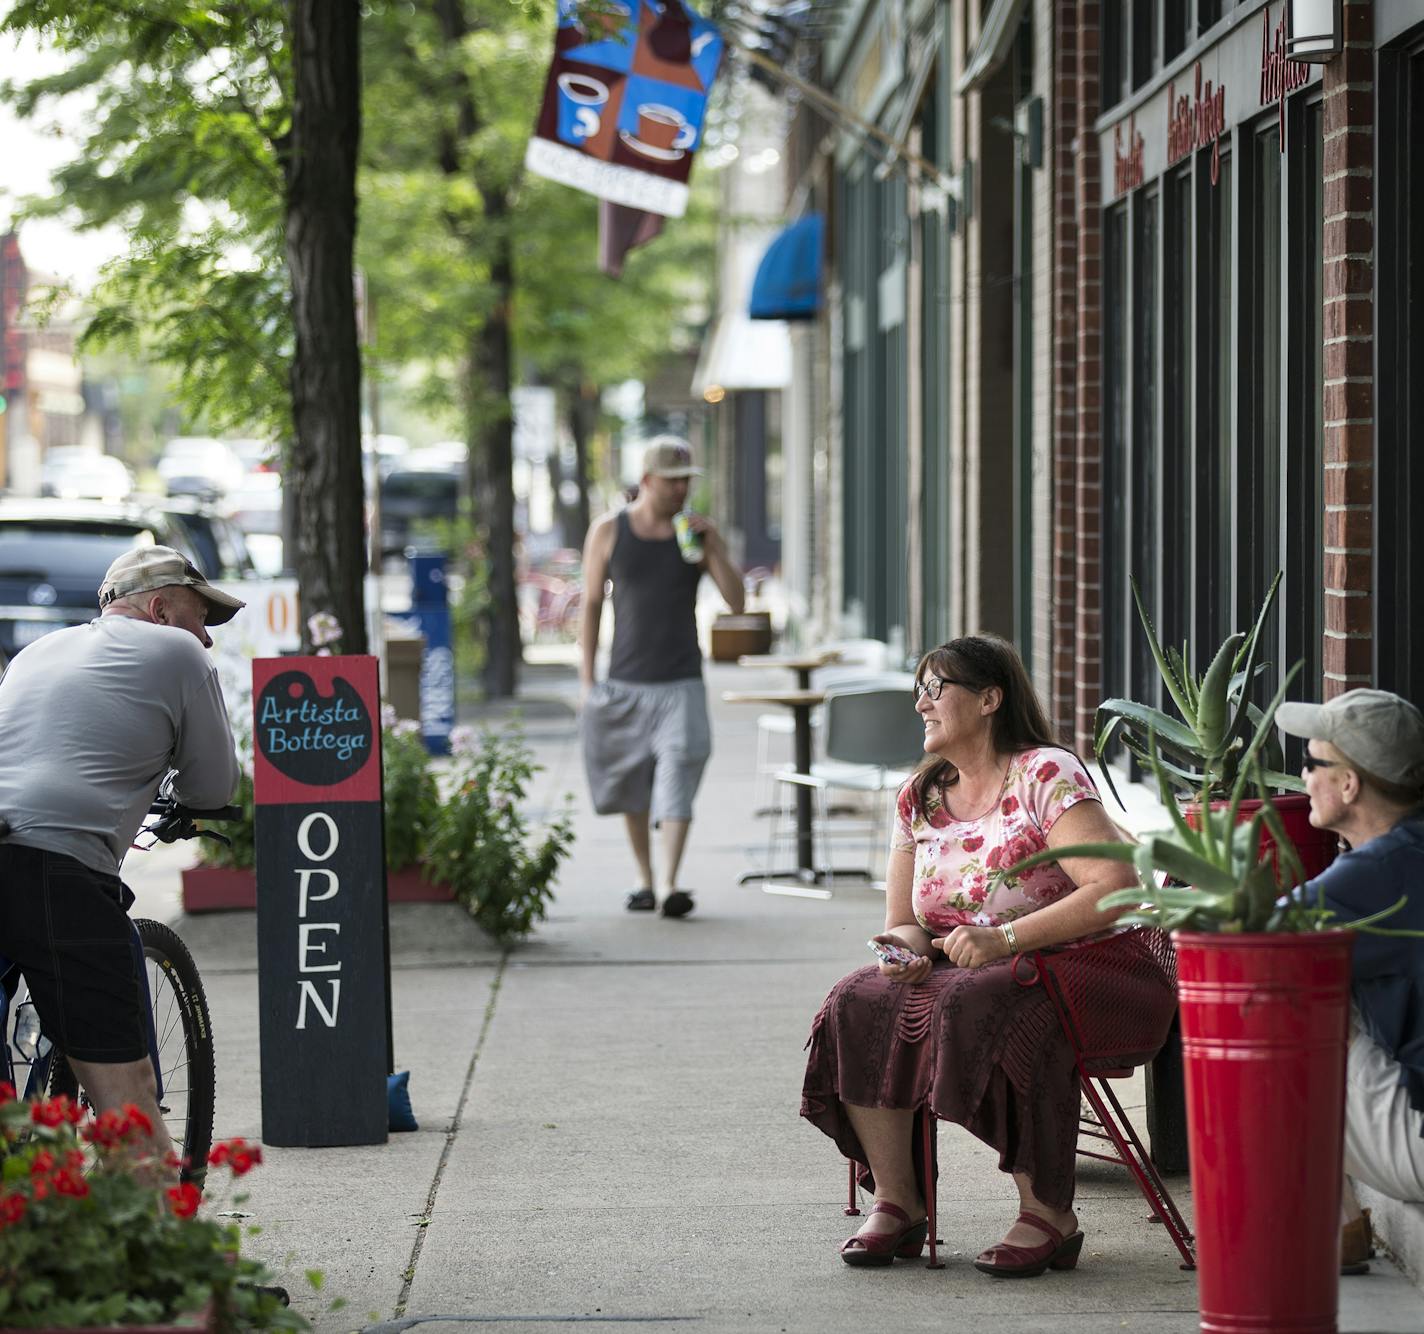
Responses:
[323,952]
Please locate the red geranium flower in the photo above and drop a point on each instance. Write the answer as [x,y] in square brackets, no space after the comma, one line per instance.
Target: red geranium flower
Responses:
[42,1163]
[184,1199]
[137,1120]
[109,1131]
[7,1092]
[12,1209]
[237,1154]
[70,1181]
[51,1112]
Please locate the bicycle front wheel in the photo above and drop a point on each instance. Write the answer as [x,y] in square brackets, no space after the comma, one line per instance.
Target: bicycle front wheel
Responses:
[183,1038]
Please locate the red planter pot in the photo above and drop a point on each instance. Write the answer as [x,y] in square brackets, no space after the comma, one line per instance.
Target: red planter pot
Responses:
[1317,847]
[1265,1022]
[220,889]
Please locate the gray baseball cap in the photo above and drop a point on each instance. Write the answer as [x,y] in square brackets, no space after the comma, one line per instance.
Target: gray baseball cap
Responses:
[147,569]
[1379,731]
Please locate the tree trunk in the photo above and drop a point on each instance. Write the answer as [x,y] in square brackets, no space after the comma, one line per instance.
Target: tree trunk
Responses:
[325,463]
[492,457]
[583,414]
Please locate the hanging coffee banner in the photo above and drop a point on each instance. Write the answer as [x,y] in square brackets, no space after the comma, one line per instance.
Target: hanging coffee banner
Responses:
[625,101]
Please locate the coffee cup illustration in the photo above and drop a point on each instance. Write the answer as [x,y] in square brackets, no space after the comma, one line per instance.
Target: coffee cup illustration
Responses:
[580,97]
[664,128]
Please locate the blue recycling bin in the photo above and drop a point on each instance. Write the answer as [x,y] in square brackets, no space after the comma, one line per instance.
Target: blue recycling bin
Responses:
[430,609]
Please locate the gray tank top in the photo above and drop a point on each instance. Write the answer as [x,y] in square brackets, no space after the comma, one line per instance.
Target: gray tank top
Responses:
[654,599]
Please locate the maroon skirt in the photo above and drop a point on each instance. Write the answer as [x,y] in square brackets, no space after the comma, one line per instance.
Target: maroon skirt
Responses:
[979,1048]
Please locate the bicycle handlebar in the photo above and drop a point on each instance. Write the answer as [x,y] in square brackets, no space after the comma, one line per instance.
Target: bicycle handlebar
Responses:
[176,808]
[176,820]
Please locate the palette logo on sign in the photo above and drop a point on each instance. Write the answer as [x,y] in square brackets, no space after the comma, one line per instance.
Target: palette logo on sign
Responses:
[310,737]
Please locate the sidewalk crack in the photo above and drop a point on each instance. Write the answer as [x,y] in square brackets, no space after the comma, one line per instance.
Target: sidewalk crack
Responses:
[408,1279]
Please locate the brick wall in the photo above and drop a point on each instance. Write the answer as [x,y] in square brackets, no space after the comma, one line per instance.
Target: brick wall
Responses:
[1349,410]
[1063,125]
[1087,516]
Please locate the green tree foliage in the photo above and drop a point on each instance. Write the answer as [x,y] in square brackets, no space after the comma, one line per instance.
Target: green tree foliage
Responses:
[190,111]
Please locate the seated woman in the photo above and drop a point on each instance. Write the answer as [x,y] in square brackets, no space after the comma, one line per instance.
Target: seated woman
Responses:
[1364,771]
[953,1029]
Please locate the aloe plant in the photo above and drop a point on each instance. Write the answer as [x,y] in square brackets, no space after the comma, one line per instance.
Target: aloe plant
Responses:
[1212,874]
[1204,751]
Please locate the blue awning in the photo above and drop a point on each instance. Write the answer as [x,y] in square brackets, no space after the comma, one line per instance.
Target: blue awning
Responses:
[787,285]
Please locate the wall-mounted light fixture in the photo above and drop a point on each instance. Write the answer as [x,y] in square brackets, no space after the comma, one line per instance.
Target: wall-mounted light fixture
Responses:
[1317,30]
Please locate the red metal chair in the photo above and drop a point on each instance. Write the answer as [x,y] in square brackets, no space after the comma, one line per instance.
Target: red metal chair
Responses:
[1108,1043]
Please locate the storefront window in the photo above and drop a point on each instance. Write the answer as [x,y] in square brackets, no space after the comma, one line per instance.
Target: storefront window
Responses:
[1258,459]
[1211,567]
[1399,483]
[1146,503]
[1302,626]
[1116,372]
[1178,415]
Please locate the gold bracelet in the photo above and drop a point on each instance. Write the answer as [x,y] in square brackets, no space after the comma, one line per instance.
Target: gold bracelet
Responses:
[1008,930]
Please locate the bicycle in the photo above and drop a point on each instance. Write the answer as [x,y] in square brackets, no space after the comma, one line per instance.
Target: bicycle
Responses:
[180,1033]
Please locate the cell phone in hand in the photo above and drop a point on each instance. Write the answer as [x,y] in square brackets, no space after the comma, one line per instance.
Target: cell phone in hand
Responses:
[889,953]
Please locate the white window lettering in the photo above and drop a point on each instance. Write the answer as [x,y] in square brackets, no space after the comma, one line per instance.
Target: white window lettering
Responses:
[306,946]
[304,894]
[308,989]
[304,836]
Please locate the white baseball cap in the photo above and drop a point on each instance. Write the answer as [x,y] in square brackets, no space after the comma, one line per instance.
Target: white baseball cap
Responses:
[147,569]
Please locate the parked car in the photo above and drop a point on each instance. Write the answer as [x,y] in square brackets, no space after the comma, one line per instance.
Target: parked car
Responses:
[411,496]
[74,473]
[54,553]
[199,466]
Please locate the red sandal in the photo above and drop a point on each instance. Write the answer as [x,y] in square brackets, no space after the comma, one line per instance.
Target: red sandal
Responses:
[881,1248]
[1008,1261]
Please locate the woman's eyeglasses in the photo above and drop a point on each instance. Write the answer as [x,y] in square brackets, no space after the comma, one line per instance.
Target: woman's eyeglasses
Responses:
[1312,762]
[933,686]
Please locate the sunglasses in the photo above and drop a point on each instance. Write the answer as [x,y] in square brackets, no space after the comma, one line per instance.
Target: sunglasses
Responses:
[1312,762]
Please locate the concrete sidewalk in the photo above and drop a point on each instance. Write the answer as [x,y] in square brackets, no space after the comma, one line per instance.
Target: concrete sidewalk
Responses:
[609,1127]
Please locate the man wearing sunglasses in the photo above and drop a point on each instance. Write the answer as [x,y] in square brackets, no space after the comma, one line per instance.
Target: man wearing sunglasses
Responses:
[1364,771]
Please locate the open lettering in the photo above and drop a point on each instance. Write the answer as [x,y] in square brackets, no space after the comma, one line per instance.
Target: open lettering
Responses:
[317,941]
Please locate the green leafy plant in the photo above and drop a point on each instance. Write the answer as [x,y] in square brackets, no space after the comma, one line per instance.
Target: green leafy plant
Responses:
[81,1247]
[1219,724]
[481,845]
[1214,871]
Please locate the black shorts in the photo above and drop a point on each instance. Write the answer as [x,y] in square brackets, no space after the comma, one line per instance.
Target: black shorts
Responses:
[66,927]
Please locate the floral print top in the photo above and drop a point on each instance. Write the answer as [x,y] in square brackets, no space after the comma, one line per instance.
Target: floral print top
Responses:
[955,860]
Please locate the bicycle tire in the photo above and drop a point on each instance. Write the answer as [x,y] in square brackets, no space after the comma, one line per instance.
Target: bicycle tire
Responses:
[174,974]
[185,1048]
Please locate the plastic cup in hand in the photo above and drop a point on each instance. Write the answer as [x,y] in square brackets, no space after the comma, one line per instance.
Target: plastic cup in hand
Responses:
[689,541]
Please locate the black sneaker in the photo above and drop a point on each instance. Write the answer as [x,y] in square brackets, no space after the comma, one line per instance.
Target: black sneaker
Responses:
[677,904]
[641,900]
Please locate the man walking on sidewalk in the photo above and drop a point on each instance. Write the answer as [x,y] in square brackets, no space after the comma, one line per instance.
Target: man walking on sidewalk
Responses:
[645,732]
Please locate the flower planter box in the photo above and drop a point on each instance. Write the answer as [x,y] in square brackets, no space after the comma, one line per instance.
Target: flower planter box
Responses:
[221,889]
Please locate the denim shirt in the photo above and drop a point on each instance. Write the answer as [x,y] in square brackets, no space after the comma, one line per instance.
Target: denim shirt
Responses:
[1387,972]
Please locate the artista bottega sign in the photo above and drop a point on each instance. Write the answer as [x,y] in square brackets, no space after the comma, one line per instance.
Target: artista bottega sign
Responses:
[300,731]
[1193,123]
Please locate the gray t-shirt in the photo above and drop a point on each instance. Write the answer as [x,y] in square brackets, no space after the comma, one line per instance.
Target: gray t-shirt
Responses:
[91,718]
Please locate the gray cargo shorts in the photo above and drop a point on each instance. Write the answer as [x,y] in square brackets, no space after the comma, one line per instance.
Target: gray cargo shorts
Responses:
[645,745]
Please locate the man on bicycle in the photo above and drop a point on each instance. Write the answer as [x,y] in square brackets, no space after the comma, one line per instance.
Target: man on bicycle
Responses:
[92,718]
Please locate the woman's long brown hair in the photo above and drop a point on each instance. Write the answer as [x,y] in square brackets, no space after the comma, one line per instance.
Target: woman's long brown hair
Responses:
[978,662]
